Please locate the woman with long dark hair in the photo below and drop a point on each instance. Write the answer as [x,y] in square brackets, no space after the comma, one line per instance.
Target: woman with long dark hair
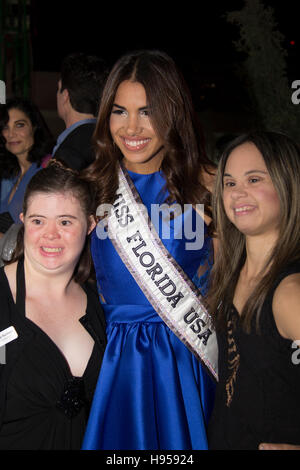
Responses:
[152,393]
[25,142]
[255,293]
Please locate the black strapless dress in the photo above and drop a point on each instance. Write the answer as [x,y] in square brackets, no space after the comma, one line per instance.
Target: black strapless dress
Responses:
[46,407]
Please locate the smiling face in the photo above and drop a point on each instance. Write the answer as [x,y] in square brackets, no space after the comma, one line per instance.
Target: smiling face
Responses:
[250,199]
[18,134]
[55,232]
[132,131]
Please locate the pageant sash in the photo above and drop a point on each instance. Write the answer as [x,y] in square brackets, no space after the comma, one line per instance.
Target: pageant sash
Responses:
[171,293]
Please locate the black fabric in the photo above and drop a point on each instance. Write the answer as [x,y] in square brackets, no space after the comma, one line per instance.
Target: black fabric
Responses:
[76,151]
[42,405]
[6,221]
[257,397]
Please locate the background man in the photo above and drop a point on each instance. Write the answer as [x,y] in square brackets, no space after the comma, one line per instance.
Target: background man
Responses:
[78,97]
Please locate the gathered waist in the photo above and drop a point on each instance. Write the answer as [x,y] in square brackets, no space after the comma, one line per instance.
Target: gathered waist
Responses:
[131,314]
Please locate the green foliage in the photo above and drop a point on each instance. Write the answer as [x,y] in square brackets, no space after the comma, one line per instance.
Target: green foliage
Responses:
[264,68]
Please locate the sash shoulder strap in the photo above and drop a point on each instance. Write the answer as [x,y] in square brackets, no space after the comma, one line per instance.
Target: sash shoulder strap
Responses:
[167,287]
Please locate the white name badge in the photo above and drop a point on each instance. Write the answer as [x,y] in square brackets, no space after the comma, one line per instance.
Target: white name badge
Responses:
[7,335]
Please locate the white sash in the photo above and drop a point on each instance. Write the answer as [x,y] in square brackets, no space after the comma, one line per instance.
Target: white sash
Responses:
[174,297]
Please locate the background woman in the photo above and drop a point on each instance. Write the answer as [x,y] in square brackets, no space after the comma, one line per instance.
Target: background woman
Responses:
[57,334]
[257,277]
[24,143]
[152,392]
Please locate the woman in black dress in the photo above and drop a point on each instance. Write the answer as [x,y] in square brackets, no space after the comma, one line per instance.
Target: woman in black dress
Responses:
[257,278]
[52,329]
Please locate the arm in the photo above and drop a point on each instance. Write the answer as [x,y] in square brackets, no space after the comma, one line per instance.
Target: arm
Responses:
[278,447]
[286,310]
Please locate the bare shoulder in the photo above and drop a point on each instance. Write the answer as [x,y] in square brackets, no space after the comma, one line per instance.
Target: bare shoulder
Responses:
[288,288]
[11,271]
[286,307]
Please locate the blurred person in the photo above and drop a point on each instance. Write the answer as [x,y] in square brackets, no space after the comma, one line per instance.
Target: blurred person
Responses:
[25,144]
[78,96]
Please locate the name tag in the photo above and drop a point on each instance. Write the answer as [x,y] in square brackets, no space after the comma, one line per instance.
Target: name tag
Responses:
[7,335]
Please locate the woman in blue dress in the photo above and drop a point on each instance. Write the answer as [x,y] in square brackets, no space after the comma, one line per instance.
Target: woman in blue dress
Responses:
[152,392]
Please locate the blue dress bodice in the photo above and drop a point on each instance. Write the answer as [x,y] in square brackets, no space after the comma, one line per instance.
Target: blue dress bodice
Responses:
[116,284]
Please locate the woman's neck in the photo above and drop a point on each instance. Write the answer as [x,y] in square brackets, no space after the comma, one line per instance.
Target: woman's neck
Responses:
[24,164]
[42,282]
[151,165]
[141,169]
[258,250]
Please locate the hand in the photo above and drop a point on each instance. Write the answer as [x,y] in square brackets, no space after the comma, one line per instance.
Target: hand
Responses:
[278,447]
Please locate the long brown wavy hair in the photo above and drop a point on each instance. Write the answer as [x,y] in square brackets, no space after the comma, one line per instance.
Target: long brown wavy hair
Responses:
[173,119]
[282,159]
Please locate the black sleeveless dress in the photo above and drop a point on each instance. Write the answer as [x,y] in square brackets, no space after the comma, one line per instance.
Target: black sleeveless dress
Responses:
[257,397]
[42,405]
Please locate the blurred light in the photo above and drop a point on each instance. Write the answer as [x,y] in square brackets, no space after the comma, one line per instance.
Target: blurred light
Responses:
[292,43]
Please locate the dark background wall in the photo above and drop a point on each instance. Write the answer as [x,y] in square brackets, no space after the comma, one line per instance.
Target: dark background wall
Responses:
[196,34]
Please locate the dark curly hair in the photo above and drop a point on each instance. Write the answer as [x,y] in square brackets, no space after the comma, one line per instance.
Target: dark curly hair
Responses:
[43,139]
[83,76]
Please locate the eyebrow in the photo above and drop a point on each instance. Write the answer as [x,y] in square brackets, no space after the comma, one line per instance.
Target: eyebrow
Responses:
[122,107]
[59,216]
[17,121]
[249,172]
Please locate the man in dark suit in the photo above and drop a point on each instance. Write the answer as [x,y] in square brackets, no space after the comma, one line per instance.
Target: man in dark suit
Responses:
[78,97]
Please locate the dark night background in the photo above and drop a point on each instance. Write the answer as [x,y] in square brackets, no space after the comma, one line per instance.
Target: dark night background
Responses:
[188,31]
[195,34]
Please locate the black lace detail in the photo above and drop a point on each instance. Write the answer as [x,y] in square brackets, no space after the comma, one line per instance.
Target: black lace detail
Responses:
[233,360]
[73,397]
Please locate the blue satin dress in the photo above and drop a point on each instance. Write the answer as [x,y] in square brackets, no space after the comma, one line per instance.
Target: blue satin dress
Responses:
[152,393]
